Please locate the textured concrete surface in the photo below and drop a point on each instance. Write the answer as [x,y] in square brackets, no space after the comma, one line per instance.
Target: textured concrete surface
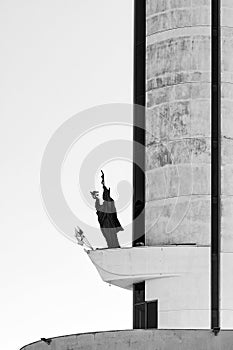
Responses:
[140,340]
[178,122]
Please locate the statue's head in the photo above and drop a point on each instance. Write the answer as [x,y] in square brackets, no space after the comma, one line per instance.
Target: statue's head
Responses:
[106,194]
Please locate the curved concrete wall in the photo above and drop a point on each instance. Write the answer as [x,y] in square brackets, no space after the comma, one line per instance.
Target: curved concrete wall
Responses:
[178,122]
[140,340]
[178,135]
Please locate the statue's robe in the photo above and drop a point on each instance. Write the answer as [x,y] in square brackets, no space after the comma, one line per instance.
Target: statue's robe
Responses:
[109,223]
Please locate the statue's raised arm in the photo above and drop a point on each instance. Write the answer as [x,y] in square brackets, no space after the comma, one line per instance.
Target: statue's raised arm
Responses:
[102,177]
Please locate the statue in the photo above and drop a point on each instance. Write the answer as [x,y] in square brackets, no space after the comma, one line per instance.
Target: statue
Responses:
[107,216]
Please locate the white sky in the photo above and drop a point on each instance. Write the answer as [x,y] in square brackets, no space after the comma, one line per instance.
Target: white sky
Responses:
[57,58]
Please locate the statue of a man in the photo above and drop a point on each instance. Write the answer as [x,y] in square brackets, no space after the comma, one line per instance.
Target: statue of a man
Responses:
[107,216]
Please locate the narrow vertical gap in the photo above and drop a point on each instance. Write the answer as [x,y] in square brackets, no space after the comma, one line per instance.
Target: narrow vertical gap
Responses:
[145,313]
[139,306]
[139,122]
[215,161]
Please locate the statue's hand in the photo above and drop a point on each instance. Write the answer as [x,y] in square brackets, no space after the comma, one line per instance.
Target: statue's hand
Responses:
[95,194]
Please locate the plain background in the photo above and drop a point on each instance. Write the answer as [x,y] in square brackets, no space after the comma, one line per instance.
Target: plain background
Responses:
[57,58]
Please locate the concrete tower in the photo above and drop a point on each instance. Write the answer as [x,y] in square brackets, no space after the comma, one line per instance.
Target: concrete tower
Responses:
[183,75]
[179,267]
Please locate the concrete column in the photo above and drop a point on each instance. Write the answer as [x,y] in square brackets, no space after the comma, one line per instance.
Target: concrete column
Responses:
[178,154]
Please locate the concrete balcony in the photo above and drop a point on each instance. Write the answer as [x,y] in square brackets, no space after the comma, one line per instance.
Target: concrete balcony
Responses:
[125,266]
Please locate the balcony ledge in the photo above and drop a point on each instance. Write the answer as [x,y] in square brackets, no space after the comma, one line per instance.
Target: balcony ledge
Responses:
[125,266]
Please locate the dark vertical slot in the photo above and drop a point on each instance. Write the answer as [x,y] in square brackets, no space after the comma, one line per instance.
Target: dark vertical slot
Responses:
[139,310]
[152,314]
[215,161]
[139,315]
[139,292]
[145,313]
[139,122]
